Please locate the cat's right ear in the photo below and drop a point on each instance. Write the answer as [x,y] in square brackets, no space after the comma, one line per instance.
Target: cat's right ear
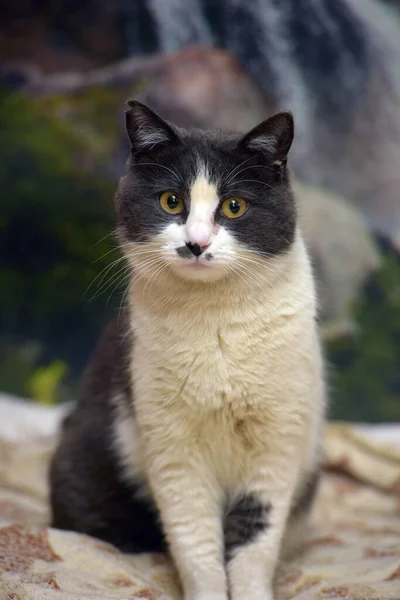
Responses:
[146,129]
[272,138]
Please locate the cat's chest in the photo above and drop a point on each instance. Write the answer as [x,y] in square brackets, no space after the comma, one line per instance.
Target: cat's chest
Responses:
[211,365]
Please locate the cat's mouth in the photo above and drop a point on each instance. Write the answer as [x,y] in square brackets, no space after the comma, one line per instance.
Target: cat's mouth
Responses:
[203,267]
[194,257]
[195,264]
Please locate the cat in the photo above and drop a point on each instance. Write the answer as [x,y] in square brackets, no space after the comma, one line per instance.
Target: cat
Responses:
[197,430]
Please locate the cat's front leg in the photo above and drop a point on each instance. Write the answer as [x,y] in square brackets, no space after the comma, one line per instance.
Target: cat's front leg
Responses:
[254,528]
[189,501]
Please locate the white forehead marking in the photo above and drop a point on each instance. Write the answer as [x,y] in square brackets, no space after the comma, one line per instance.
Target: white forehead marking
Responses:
[203,192]
[203,204]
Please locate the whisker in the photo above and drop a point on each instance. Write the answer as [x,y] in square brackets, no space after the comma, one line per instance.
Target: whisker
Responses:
[250,167]
[139,274]
[256,262]
[271,187]
[153,164]
[246,276]
[143,268]
[114,281]
[117,285]
[124,299]
[119,275]
[115,249]
[277,275]
[237,272]
[105,271]
[135,277]
[153,276]
[255,277]
[254,253]
[143,252]
[104,238]
[232,172]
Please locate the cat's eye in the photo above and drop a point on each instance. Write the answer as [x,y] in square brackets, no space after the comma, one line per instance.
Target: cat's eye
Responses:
[233,207]
[171,203]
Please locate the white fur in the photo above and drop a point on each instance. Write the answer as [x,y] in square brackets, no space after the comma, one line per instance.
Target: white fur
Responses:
[229,395]
[147,136]
[127,445]
[228,399]
[199,228]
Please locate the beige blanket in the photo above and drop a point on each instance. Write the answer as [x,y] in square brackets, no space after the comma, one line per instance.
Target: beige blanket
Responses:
[352,552]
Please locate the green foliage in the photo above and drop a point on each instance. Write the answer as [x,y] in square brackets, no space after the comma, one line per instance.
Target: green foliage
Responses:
[21,375]
[45,382]
[365,368]
[55,224]
[17,364]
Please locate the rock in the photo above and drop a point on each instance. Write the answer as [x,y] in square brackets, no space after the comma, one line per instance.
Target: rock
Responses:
[206,88]
[25,420]
[197,87]
[342,249]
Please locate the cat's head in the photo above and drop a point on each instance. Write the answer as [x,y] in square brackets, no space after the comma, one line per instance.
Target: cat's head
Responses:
[203,205]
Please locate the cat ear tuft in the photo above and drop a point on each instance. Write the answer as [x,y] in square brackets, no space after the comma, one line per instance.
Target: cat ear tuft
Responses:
[146,129]
[272,137]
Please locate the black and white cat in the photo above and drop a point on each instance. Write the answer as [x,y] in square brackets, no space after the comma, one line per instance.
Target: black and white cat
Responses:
[198,424]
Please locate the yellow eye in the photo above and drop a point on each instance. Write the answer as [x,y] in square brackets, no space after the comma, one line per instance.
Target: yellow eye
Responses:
[233,207]
[171,203]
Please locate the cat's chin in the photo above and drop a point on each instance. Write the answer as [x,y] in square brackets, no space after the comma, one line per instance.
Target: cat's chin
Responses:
[198,272]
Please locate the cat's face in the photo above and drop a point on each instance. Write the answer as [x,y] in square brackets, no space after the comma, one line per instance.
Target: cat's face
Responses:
[203,205]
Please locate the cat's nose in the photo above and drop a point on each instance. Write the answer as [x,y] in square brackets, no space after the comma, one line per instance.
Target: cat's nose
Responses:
[196,249]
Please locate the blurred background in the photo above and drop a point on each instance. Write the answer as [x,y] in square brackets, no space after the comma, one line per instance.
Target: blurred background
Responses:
[66,69]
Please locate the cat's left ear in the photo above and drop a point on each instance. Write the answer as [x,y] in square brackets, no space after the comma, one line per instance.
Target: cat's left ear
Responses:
[146,129]
[273,138]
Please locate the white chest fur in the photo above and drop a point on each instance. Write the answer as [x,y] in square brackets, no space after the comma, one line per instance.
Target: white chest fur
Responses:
[229,368]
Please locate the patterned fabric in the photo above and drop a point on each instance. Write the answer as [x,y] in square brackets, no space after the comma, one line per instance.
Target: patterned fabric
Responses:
[352,551]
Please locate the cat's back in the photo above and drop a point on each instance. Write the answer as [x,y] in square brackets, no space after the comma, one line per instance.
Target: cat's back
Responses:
[105,379]
[108,370]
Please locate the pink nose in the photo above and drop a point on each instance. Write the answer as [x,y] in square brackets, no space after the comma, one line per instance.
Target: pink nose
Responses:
[199,234]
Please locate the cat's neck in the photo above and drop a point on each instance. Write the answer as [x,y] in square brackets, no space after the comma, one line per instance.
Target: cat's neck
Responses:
[277,282]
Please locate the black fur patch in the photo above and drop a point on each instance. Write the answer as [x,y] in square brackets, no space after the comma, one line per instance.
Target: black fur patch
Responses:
[88,493]
[303,501]
[184,252]
[247,518]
